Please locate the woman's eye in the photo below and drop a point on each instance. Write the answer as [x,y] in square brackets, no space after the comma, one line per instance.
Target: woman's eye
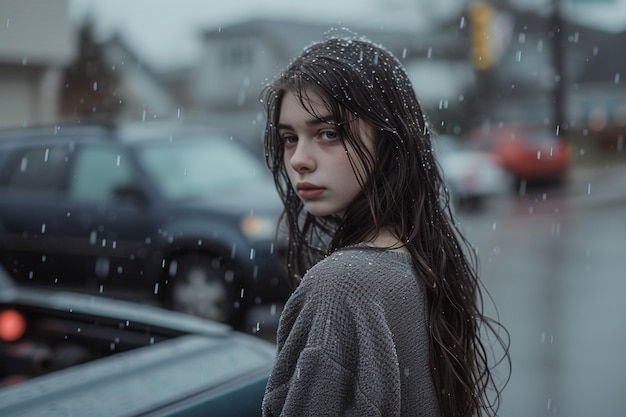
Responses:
[289,139]
[329,135]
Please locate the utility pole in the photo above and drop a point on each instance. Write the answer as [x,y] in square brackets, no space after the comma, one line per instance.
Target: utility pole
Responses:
[558,58]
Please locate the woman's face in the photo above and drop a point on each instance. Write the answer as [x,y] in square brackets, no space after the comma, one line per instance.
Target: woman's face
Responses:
[316,161]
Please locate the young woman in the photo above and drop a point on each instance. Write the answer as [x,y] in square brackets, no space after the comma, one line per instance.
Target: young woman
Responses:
[386,319]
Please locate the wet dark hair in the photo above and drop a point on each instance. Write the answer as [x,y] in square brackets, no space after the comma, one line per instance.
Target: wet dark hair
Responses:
[403,191]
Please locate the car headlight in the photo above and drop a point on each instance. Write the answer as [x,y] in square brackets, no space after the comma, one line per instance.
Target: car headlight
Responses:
[258,228]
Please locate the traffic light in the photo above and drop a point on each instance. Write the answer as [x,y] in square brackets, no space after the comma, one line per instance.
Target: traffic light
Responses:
[481,35]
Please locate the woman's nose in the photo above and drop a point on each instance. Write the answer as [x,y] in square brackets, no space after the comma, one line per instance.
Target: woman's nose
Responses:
[302,159]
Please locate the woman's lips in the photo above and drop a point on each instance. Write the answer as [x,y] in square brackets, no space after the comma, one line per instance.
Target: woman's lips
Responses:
[309,191]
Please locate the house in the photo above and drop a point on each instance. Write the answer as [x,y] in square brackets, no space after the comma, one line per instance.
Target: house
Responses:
[240,59]
[599,97]
[36,42]
[145,93]
[521,86]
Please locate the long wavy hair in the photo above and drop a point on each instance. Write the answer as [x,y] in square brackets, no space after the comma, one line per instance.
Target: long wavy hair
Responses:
[402,191]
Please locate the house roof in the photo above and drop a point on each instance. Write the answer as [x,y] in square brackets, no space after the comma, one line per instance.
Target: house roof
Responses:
[288,38]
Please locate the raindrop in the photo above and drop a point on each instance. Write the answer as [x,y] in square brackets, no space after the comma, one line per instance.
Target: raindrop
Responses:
[173,268]
[589,189]
[178,114]
[403,53]
[617,78]
[462,23]
[518,56]
[102,267]
[156,288]
[92,237]
[24,164]
[95,86]
[118,160]
[46,155]
[43,228]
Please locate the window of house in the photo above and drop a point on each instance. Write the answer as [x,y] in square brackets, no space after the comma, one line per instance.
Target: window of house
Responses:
[237,55]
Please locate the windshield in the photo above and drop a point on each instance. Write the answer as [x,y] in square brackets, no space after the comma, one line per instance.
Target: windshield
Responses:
[200,167]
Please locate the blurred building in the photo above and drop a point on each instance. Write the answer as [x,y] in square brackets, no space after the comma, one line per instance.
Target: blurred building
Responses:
[239,60]
[515,81]
[599,96]
[36,43]
[530,54]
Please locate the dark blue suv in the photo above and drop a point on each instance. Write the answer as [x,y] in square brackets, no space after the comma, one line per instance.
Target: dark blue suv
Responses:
[183,217]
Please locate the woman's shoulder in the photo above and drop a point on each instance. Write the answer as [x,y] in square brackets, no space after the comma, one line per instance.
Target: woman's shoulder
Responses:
[357,265]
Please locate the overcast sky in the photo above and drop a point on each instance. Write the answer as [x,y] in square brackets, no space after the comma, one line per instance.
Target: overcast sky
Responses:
[166,31]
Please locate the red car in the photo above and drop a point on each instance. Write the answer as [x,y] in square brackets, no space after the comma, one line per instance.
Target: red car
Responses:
[532,154]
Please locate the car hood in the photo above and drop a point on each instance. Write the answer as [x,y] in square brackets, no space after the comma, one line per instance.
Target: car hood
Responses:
[108,308]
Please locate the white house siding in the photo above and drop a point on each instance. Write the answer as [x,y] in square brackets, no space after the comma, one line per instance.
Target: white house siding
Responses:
[36,41]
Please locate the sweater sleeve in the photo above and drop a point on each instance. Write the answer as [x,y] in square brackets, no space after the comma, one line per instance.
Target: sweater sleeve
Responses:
[336,356]
[319,386]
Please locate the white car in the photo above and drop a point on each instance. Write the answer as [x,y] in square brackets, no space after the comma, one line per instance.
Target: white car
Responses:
[471,175]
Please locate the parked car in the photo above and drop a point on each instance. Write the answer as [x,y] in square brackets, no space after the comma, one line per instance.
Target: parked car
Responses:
[183,217]
[471,175]
[529,153]
[64,353]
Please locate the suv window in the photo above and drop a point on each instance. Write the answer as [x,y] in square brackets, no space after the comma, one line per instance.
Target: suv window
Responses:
[38,169]
[98,171]
[88,172]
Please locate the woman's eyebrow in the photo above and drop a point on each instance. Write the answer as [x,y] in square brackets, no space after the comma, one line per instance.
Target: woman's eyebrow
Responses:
[314,121]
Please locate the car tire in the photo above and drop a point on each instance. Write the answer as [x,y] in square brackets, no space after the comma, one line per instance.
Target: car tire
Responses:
[204,286]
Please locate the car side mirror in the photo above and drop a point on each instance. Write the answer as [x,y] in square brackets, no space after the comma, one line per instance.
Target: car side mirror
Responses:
[130,193]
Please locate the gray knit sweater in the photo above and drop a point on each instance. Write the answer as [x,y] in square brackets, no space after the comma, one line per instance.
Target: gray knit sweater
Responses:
[353,341]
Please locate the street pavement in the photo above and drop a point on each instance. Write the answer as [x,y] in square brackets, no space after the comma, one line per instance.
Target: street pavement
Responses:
[554,261]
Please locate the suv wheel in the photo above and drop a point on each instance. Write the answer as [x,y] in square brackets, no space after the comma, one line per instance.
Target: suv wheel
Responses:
[203,286]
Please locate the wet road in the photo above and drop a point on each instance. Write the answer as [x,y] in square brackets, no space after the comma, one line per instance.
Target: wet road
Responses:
[554,260]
